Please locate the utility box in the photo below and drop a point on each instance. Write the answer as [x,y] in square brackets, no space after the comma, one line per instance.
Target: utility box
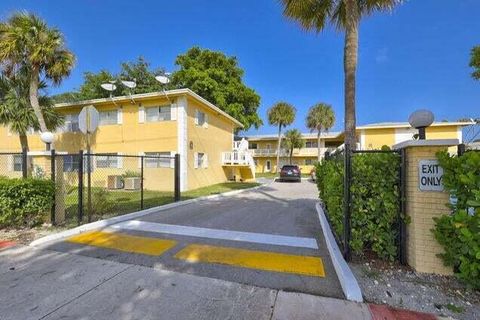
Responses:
[132,183]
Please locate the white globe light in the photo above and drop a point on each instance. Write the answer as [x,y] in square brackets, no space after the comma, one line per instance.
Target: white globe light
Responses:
[421,119]
[47,137]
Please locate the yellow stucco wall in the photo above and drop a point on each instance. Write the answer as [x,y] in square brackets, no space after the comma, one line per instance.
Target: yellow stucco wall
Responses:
[261,163]
[376,138]
[134,137]
[211,140]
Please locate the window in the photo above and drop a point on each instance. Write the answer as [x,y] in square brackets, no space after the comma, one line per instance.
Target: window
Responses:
[107,161]
[200,159]
[71,123]
[158,160]
[108,117]
[268,165]
[71,163]
[200,118]
[308,162]
[253,145]
[17,162]
[269,146]
[155,114]
[311,144]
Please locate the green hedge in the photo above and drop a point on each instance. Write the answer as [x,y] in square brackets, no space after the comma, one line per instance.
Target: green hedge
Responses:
[24,202]
[375,200]
[459,233]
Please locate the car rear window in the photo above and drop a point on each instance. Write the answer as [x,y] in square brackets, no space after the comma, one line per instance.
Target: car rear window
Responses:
[289,167]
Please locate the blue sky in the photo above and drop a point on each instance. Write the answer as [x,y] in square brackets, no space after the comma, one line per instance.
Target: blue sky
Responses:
[416,57]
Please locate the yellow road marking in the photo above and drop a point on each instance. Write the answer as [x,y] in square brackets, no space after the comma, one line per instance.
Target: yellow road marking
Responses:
[263,260]
[124,242]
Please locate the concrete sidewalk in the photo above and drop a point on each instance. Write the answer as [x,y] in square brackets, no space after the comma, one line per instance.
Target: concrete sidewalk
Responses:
[43,284]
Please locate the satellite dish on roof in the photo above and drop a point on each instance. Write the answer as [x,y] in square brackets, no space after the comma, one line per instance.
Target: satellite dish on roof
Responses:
[163,79]
[108,86]
[129,84]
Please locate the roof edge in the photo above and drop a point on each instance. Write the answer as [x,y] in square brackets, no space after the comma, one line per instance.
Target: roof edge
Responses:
[175,92]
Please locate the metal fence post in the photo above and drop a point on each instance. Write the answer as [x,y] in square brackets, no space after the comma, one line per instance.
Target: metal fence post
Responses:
[347,203]
[89,187]
[402,255]
[141,182]
[80,187]
[177,177]
[52,172]
[24,163]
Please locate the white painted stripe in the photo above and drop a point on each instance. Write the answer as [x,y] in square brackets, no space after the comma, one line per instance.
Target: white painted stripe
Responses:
[263,238]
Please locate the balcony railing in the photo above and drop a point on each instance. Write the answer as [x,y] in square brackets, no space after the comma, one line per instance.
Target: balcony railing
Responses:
[236,158]
[285,153]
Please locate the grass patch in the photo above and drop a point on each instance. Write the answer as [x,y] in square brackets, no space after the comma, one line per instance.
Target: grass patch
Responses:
[454,308]
[122,201]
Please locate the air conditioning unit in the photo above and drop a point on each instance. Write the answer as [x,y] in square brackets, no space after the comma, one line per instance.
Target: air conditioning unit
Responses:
[132,183]
[114,182]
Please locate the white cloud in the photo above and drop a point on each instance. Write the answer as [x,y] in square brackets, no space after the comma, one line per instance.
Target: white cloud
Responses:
[382,55]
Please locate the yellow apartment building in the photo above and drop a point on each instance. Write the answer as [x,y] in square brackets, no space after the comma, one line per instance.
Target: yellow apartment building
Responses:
[370,137]
[158,123]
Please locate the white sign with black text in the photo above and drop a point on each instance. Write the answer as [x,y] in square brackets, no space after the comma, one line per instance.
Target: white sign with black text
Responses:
[430,175]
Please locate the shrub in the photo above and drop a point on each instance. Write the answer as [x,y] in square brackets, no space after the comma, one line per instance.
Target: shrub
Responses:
[459,232]
[24,202]
[375,200]
[101,204]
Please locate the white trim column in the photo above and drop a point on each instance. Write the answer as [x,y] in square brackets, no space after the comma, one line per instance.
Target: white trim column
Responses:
[182,140]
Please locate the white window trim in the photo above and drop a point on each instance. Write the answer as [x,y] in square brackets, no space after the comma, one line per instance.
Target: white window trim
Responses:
[141,115]
[119,117]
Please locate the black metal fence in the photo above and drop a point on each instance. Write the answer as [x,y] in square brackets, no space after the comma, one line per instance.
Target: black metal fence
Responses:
[93,186]
[347,156]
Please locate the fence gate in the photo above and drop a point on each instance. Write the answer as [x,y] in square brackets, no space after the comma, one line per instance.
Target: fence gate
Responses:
[359,185]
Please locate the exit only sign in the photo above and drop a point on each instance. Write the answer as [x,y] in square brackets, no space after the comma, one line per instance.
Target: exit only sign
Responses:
[430,175]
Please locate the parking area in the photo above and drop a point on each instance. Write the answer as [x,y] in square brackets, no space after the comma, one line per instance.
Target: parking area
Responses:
[269,237]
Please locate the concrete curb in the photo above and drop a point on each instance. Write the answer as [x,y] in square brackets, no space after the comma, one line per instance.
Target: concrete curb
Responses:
[107,222]
[349,284]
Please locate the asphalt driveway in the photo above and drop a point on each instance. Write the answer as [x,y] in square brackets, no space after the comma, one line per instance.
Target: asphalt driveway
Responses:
[268,237]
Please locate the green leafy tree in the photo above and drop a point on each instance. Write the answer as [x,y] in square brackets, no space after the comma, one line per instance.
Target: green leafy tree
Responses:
[143,75]
[15,109]
[293,139]
[320,117]
[475,62]
[344,15]
[91,87]
[26,41]
[281,114]
[218,78]
[139,71]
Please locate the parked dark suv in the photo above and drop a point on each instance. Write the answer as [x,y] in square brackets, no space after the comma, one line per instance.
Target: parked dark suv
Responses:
[290,173]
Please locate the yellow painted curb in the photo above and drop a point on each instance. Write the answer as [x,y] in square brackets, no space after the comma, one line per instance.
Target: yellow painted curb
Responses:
[124,242]
[262,260]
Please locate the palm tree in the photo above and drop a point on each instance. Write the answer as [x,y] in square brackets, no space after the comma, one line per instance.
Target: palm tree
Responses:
[281,114]
[344,15]
[15,109]
[320,117]
[293,139]
[27,41]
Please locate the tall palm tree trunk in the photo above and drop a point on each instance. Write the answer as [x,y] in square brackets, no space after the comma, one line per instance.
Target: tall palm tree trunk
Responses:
[350,68]
[278,147]
[319,133]
[34,99]
[23,141]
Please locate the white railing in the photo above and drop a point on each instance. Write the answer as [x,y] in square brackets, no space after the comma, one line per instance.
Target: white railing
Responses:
[235,158]
[267,152]
[285,153]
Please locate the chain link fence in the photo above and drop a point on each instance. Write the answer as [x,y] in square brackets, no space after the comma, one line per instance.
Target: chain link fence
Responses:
[95,186]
